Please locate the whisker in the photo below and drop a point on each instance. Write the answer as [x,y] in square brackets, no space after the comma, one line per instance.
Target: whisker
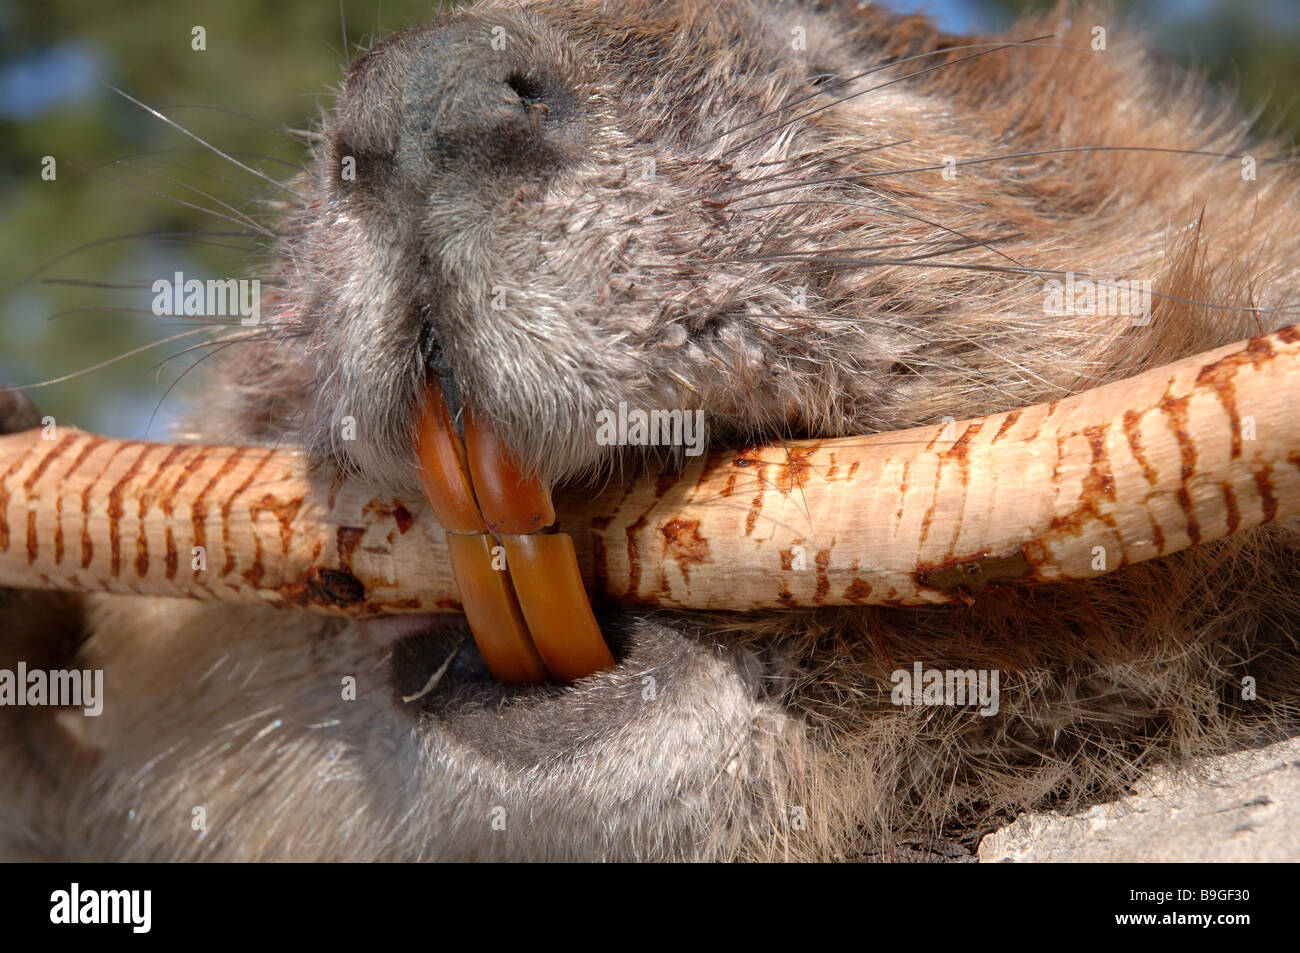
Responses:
[987,244]
[884,66]
[223,344]
[102,364]
[894,323]
[129,162]
[233,321]
[880,86]
[244,216]
[938,246]
[343,29]
[811,157]
[136,236]
[89,283]
[131,285]
[821,259]
[995,269]
[858,176]
[203,142]
[240,115]
[178,237]
[1066,149]
[185,150]
[195,321]
[243,337]
[158,406]
[97,307]
[184,204]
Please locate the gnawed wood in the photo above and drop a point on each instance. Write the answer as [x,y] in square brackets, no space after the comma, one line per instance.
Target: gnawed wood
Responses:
[1174,457]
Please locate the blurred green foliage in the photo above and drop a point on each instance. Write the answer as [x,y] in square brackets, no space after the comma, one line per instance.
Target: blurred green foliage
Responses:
[268,67]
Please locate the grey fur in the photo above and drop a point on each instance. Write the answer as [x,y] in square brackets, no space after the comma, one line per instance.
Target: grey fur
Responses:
[764,736]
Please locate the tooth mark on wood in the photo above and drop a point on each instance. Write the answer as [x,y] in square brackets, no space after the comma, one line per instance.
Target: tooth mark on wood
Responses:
[960,451]
[116,509]
[283,510]
[170,559]
[1139,493]
[337,587]
[144,500]
[634,556]
[823,561]
[228,505]
[87,544]
[1267,499]
[1234,512]
[1007,423]
[1133,431]
[1176,409]
[683,542]
[1221,377]
[58,530]
[33,546]
[858,591]
[4,504]
[975,573]
[167,500]
[751,458]
[5,495]
[199,508]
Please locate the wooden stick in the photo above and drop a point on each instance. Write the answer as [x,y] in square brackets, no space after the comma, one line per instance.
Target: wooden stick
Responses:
[1177,456]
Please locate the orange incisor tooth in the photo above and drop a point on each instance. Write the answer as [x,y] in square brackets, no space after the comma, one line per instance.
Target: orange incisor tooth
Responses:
[444,471]
[533,616]
[545,574]
[510,501]
[493,615]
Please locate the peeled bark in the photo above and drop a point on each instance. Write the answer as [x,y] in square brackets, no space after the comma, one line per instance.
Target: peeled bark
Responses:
[1174,457]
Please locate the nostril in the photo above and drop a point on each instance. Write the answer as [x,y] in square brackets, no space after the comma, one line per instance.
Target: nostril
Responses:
[530,92]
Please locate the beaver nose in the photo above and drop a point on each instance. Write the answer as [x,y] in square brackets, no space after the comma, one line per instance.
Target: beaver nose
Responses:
[447,91]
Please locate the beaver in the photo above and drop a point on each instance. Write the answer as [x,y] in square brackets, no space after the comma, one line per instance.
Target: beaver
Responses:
[805,219]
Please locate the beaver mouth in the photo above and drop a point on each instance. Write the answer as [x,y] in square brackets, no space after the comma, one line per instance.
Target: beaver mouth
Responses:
[1140,468]
[523,596]
[435,666]
[521,591]
[434,657]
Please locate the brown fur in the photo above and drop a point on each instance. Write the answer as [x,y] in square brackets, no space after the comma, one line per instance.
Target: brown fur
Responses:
[677,291]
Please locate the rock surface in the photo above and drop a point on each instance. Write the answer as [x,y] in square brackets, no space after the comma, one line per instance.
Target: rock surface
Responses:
[1239,807]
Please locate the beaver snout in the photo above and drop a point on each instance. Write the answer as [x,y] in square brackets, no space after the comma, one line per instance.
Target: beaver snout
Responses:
[457,95]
